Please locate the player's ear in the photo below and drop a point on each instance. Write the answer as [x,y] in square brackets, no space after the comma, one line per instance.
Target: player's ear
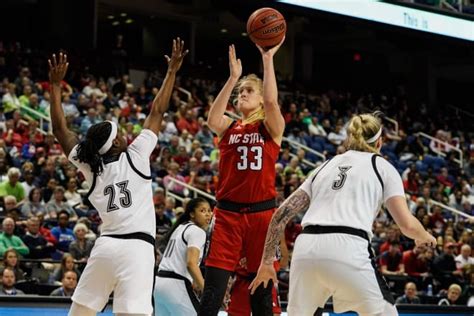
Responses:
[116,141]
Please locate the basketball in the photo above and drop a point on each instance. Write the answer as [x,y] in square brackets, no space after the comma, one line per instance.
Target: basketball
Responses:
[266,27]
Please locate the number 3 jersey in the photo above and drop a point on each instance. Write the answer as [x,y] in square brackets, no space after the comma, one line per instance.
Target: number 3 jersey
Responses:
[247,164]
[122,194]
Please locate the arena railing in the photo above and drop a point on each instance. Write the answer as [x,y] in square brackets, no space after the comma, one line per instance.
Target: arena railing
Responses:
[449,208]
[42,119]
[460,161]
[306,148]
[306,161]
[452,210]
[459,110]
[195,190]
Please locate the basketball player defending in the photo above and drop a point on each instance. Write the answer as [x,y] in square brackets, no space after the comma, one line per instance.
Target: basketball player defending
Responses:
[123,258]
[333,257]
[246,192]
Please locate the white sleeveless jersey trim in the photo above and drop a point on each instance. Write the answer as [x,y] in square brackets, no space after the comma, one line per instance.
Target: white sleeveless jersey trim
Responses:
[346,190]
[122,194]
[174,257]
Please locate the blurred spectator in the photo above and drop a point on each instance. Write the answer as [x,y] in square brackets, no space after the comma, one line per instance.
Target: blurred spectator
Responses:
[159,196]
[205,136]
[12,186]
[8,284]
[10,101]
[415,262]
[62,232]
[44,231]
[188,122]
[91,119]
[69,283]
[81,248]
[28,182]
[8,240]
[90,235]
[393,234]
[67,264]
[9,203]
[444,266]
[91,89]
[163,223]
[454,292]
[172,186]
[464,258]
[39,247]
[10,261]
[69,108]
[410,295]
[73,198]
[391,260]
[338,136]
[57,204]
[34,205]
[170,204]
[316,129]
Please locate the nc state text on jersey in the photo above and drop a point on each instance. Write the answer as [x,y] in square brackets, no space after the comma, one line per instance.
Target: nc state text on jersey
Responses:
[253,138]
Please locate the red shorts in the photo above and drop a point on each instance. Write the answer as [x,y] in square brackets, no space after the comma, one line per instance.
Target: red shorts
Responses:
[240,298]
[238,235]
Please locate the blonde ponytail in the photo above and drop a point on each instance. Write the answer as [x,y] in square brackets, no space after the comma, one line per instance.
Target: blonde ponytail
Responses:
[361,128]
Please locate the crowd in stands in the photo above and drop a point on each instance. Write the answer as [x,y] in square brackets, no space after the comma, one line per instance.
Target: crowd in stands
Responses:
[46,217]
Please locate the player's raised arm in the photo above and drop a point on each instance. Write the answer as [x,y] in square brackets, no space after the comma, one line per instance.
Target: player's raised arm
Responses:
[274,121]
[162,99]
[57,71]
[216,120]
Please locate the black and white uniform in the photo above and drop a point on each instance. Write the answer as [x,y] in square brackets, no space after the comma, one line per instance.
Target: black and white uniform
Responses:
[332,257]
[174,295]
[123,258]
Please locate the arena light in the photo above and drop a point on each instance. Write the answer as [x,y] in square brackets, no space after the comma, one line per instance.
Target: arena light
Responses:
[393,14]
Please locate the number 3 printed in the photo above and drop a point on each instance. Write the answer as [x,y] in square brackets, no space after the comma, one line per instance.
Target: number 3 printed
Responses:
[244,163]
[339,183]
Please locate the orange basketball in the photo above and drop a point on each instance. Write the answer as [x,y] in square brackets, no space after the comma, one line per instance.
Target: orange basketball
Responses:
[266,27]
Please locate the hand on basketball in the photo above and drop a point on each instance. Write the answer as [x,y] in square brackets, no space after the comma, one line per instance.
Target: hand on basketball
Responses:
[235,65]
[57,68]
[271,51]
[266,272]
[177,55]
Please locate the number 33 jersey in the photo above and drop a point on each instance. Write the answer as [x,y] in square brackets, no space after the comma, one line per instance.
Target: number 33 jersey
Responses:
[247,164]
[122,194]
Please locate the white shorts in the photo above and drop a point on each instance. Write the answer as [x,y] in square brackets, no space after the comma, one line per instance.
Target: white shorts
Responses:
[124,266]
[336,265]
[173,298]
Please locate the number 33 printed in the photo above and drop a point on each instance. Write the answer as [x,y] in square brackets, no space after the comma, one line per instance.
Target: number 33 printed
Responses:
[244,164]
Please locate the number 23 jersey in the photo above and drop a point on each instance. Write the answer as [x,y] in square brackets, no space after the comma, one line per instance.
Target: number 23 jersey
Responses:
[247,164]
[123,194]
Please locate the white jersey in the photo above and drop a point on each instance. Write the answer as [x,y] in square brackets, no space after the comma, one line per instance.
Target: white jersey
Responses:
[174,257]
[122,194]
[349,189]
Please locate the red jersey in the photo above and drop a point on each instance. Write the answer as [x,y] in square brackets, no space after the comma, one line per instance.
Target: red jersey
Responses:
[247,164]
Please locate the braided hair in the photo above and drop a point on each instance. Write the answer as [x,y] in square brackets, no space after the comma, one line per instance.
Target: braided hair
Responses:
[88,149]
[361,128]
